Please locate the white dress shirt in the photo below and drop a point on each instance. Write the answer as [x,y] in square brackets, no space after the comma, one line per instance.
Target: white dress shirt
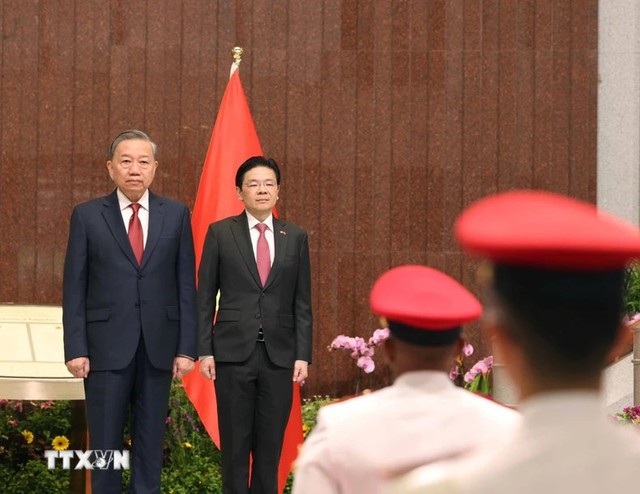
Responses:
[566,444]
[143,212]
[255,234]
[360,443]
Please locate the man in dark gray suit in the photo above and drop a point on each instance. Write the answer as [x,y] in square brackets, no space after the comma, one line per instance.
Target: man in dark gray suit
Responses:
[261,339]
[129,310]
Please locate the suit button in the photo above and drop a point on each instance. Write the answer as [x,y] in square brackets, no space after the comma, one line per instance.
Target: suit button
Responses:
[137,305]
[140,276]
[258,315]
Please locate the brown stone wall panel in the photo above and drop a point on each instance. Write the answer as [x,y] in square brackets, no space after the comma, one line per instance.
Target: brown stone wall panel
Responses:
[543,25]
[473,135]
[592,30]
[400,205]
[453,198]
[190,152]
[419,20]
[100,110]
[170,63]
[366,204]
[507,96]
[489,144]
[19,148]
[584,83]
[269,76]
[454,25]
[233,30]
[326,322]
[582,176]
[417,186]
[304,117]
[562,25]
[507,25]
[86,105]
[159,34]
[383,195]
[55,88]
[526,109]
[348,26]
[209,94]
[366,26]
[268,102]
[119,116]
[508,120]
[436,29]
[437,152]
[561,95]
[543,160]
[526,24]
[589,159]
[128,70]
[580,16]
[472,25]
[347,323]
[490,25]
[401,41]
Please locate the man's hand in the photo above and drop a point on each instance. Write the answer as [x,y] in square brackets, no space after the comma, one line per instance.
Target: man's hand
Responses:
[182,366]
[208,368]
[300,371]
[78,367]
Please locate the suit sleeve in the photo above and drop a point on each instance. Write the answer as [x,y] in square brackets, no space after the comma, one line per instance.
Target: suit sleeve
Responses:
[74,291]
[208,285]
[303,315]
[186,276]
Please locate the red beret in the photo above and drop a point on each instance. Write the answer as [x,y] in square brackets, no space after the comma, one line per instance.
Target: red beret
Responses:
[423,298]
[542,229]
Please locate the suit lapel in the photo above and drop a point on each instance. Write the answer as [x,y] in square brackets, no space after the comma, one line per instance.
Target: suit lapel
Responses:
[113,218]
[280,239]
[156,221]
[240,232]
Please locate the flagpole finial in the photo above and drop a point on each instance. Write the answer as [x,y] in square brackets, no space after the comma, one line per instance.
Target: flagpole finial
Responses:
[236,53]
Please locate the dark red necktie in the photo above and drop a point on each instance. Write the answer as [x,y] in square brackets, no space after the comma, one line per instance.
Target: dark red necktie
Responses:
[263,256]
[135,233]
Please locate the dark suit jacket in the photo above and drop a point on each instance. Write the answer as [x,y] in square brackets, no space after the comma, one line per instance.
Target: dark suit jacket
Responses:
[282,306]
[108,301]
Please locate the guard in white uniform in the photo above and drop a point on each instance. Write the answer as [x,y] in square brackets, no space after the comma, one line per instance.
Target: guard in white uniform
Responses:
[554,306]
[423,417]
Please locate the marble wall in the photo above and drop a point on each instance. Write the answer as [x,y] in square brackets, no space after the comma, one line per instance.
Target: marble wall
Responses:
[388,118]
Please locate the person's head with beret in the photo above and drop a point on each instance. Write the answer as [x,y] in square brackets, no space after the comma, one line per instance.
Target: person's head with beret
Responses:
[555,290]
[424,309]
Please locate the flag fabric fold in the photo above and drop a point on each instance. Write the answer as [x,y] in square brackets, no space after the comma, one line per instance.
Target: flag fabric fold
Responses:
[234,139]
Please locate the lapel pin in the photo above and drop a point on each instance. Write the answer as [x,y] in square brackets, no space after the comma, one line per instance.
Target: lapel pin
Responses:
[282,232]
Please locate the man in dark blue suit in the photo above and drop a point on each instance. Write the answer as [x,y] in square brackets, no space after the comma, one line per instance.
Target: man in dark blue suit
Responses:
[129,310]
[262,338]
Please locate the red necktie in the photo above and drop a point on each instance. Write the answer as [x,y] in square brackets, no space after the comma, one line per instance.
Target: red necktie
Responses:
[263,256]
[135,233]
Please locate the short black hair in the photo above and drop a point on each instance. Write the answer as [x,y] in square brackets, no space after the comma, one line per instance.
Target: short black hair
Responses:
[565,322]
[254,162]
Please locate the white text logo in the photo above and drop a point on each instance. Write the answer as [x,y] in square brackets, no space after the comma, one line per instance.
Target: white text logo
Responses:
[91,459]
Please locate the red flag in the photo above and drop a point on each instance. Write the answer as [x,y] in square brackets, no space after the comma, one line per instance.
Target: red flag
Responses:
[234,140]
